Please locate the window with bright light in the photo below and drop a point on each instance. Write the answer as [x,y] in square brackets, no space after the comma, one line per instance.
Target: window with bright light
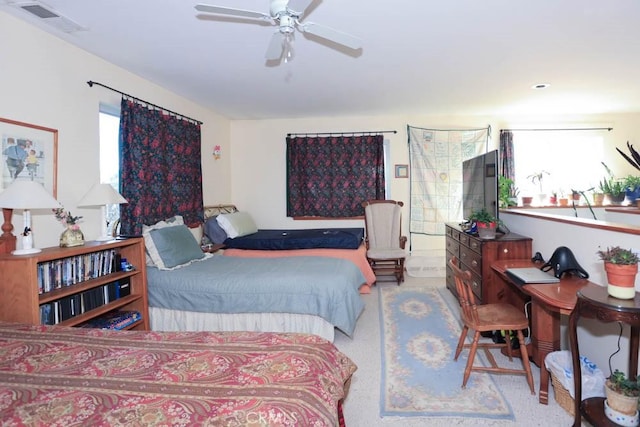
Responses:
[110,154]
[566,160]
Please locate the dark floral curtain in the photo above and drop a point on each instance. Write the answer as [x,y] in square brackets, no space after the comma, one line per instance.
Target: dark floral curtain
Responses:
[507,166]
[160,167]
[331,176]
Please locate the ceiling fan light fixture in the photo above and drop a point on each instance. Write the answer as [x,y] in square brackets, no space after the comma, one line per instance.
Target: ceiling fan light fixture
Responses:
[286,15]
[287,47]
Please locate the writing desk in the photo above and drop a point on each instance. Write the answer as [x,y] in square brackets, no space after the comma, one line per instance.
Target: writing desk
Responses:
[548,302]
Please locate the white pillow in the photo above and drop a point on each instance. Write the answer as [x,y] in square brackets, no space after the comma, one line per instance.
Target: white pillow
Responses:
[237,224]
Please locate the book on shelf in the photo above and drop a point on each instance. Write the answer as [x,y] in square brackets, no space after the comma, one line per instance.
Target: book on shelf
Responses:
[114,320]
[73,305]
[68,271]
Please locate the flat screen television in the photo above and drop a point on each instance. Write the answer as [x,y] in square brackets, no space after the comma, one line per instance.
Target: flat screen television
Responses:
[480,184]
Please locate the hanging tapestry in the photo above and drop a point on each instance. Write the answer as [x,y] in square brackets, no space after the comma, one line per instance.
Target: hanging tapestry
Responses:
[436,158]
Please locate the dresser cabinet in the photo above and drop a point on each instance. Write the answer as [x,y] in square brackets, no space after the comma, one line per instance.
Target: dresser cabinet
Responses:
[477,255]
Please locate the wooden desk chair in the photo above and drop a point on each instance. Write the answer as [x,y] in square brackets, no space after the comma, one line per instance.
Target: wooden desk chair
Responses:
[486,318]
[383,239]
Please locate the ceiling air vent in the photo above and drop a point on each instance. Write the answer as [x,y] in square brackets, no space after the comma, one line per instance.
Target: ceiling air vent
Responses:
[50,17]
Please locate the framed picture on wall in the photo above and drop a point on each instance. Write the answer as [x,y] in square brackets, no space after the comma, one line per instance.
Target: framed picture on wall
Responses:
[29,152]
[402,171]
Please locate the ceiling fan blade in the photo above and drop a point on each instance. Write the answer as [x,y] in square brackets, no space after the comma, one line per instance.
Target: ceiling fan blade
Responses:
[274,50]
[299,6]
[231,11]
[330,34]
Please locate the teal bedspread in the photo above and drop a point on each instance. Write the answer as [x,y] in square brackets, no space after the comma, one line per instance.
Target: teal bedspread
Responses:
[320,286]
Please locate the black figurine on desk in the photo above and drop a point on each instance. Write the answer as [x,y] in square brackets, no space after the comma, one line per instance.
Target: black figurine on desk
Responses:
[563,261]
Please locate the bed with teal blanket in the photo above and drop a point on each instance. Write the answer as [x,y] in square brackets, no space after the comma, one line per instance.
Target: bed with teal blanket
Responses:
[290,294]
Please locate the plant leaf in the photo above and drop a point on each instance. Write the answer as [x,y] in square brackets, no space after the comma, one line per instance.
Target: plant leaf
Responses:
[634,153]
[629,159]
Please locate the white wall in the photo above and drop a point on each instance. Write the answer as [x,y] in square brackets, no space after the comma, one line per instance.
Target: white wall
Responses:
[43,82]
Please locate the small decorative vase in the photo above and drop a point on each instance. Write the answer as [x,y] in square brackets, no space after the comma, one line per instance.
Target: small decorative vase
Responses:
[71,237]
[621,280]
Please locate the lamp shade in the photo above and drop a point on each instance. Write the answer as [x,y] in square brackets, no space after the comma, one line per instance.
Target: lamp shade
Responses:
[101,194]
[27,195]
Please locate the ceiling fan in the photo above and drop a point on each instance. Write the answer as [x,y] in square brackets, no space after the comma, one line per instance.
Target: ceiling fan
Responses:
[286,14]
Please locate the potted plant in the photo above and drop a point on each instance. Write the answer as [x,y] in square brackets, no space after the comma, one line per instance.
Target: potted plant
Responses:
[507,192]
[613,189]
[486,223]
[632,188]
[536,178]
[563,200]
[621,266]
[598,198]
[622,394]
[527,200]
[575,196]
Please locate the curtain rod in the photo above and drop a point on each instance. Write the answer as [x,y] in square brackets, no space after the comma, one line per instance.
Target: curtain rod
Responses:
[533,130]
[91,83]
[342,133]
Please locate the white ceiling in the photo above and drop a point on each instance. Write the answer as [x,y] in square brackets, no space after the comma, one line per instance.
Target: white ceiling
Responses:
[418,56]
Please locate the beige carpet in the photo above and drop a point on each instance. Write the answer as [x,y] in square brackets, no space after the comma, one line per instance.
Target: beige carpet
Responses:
[362,406]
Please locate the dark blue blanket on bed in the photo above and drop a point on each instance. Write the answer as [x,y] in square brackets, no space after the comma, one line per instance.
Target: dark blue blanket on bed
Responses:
[334,238]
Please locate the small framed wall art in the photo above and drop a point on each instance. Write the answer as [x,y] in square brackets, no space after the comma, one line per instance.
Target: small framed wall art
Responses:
[29,152]
[402,171]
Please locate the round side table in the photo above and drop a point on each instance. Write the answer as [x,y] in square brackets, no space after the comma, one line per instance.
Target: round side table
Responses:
[595,303]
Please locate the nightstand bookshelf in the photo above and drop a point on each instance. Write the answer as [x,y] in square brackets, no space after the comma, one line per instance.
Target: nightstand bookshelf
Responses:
[84,280]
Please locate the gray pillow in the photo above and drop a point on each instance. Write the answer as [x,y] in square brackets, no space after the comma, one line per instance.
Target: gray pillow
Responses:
[214,232]
[173,247]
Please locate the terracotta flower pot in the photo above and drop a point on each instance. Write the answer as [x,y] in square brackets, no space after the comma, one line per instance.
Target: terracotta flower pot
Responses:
[563,201]
[598,199]
[526,200]
[621,280]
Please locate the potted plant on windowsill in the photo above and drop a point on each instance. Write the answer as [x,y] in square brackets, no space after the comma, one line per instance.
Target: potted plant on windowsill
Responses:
[486,223]
[621,266]
[613,189]
[536,178]
[622,396]
[507,192]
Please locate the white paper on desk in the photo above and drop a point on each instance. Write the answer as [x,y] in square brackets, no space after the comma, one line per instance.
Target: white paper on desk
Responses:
[532,275]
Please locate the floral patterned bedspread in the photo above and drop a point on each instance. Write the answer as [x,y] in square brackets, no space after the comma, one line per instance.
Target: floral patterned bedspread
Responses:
[58,376]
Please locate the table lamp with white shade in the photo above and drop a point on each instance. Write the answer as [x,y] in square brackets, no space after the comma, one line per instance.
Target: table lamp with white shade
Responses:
[102,195]
[27,195]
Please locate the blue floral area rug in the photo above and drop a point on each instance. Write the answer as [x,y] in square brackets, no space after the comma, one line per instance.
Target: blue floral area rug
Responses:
[419,377]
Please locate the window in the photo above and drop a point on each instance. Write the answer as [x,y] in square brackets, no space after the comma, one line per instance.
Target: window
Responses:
[552,155]
[110,154]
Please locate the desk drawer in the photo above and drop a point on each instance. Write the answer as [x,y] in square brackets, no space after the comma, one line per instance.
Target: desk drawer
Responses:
[453,246]
[471,242]
[452,233]
[476,285]
[471,259]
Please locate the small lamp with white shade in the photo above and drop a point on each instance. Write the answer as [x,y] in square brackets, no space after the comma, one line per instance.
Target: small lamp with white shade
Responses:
[27,195]
[102,195]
